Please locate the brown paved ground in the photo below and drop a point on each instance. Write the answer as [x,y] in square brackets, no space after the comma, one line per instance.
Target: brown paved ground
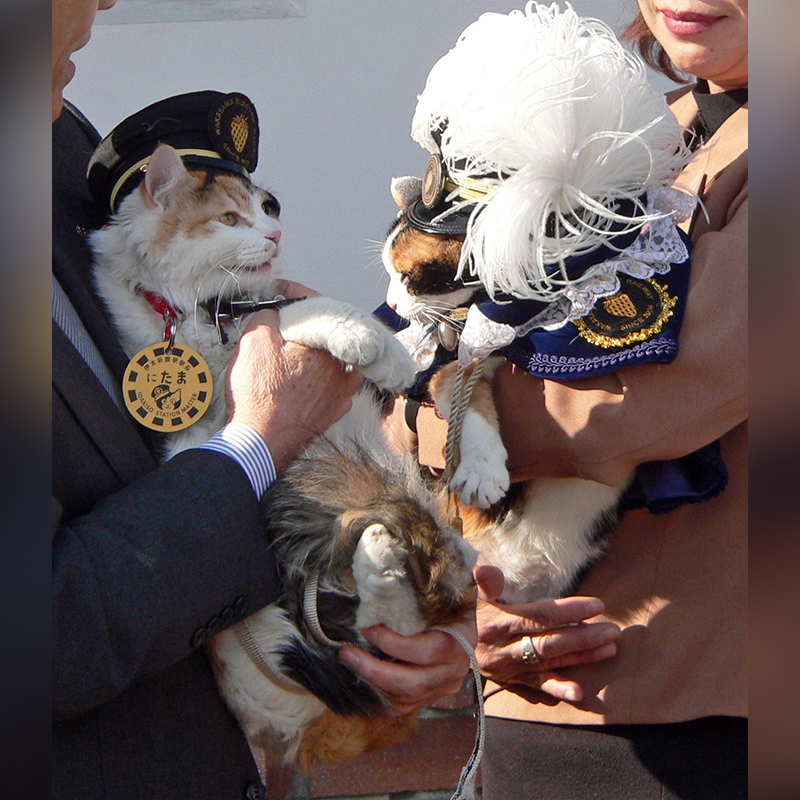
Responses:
[430,760]
[424,767]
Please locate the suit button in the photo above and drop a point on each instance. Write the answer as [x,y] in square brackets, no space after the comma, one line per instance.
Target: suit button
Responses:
[213,626]
[199,637]
[227,615]
[255,791]
[239,605]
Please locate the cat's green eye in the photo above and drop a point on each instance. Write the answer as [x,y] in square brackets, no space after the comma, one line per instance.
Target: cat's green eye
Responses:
[228,218]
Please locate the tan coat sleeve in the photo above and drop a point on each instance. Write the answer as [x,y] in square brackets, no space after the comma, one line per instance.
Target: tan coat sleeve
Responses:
[603,428]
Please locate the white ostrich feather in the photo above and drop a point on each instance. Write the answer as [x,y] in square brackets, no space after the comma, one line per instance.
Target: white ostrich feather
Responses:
[560,120]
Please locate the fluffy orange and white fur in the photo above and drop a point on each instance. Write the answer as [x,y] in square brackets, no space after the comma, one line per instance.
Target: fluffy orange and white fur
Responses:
[541,533]
[552,142]
[348,513]
[195,236]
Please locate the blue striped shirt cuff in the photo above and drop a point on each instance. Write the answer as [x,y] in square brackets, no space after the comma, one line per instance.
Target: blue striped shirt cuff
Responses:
[248,449]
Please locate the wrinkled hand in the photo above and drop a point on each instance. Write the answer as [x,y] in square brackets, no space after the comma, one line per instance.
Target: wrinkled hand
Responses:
[560,633]
[430,665]
[293,289]
[288,393]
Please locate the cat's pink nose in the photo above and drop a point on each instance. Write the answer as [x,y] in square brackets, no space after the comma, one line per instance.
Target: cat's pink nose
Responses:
[276,237]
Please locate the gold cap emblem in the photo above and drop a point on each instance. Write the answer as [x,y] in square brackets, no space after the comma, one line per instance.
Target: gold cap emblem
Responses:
[233,128]
[240,131]
[433,181]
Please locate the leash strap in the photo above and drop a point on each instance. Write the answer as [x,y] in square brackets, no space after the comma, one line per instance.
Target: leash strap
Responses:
[236,308]
[465,789]
[462,394]
[311,613]
[248,642]
[220,310]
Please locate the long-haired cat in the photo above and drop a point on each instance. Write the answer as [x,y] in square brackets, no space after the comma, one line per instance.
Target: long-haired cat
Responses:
[347,516]
[542,533]
[554,157]
[192,240]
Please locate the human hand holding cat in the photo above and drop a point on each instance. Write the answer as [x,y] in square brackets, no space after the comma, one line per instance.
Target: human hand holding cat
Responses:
[561,635]
[288,393]
[293,289]
[430,665]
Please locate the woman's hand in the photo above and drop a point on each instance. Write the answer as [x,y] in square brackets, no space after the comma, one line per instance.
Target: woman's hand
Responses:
[561,636]
[430,665]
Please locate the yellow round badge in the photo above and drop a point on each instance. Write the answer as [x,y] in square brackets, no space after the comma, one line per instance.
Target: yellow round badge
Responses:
[167,389]
[636,313]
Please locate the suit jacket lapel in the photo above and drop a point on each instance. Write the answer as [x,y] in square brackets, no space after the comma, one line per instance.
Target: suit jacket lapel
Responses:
[88,308]
[113,433]
[75,215]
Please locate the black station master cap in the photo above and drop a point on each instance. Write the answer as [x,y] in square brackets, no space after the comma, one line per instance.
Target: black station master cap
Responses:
[208,129]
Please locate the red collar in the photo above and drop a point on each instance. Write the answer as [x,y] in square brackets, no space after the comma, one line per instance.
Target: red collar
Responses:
[162,307]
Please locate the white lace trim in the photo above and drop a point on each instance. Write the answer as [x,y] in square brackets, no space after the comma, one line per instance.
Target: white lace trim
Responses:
[482,336]
[420,342]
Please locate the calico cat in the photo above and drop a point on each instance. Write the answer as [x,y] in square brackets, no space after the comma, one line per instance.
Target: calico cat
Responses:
[347,516]
[362,521]
[193,241]
[543,533]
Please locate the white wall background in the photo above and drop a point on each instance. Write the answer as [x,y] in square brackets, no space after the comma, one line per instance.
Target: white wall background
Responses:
[335,91]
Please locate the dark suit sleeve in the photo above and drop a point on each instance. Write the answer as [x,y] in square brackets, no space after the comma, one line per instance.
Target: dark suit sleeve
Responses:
[151,572]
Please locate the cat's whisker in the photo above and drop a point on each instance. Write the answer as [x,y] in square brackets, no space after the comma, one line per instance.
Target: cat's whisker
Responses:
[197,302]
[442,307]
[453,324]
[232,272]
[439,313]
[429,317]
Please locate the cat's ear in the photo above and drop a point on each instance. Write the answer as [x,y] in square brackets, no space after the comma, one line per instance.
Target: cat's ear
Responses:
[406,190]
[165,173]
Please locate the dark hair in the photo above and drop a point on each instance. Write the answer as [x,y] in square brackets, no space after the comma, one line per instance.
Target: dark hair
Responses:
[651,50]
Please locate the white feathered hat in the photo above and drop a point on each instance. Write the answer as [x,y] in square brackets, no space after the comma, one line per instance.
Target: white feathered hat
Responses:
[547,128]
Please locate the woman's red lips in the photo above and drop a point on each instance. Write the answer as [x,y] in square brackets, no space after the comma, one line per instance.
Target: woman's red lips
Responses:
[687,23]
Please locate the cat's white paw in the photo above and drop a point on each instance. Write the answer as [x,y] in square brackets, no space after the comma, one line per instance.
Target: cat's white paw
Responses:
[481,478]
[351,335]
[480,483]
[395,370]
[355,341]
[384,592]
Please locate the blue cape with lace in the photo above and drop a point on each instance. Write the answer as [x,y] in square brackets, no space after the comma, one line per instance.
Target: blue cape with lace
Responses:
[638,324]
